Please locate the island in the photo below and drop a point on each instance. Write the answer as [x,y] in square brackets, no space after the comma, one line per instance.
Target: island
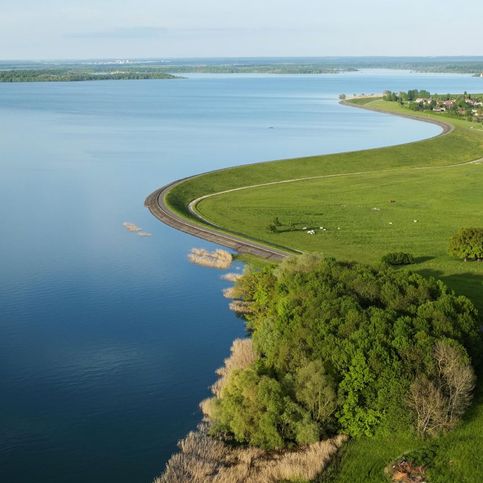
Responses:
[67,74]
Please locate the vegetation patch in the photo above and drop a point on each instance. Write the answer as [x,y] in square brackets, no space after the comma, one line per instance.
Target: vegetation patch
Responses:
[215,259]
[467,243]
[341,347]
[204,459]
[411,197]
[386,372]
[398,258]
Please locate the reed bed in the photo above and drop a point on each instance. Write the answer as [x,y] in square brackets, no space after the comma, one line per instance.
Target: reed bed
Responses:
[241,356]
[131,227]
[240,307]
[231,277]
[215,259]
[203,459]
[230,293]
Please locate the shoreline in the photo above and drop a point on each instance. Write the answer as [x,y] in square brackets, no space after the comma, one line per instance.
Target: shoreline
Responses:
[156,204]
[208,231]
[445,126]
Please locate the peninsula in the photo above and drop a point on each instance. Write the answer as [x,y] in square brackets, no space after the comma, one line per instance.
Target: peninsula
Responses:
[402,204]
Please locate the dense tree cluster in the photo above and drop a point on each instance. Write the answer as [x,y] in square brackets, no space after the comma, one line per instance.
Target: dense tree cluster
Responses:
[467,243]
[345,347]
[410,95]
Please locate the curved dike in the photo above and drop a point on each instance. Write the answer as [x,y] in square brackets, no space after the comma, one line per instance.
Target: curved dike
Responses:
[156,203]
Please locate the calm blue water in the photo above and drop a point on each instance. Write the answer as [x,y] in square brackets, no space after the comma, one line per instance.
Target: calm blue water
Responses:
[108,341]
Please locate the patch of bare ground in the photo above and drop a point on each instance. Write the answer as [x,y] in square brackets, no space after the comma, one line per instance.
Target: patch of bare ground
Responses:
[405,471]
[215,259]
[204,459]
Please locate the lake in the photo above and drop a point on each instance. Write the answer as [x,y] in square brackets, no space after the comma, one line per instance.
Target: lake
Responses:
[108,341]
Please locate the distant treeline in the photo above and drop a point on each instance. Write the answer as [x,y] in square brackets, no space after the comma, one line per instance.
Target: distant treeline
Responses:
[75,73]
[261,69]
[71,75]
[455,67]
[49,72]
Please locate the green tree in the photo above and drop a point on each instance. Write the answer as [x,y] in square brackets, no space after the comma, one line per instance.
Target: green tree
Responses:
[467,243]
[315,390]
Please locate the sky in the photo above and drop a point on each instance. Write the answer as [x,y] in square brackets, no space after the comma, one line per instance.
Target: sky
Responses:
[81,29]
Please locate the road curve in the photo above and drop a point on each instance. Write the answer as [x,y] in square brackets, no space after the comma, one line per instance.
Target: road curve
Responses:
[156,204]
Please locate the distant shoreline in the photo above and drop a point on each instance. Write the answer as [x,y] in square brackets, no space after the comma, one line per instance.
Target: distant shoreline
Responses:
[70,71]
[64,75]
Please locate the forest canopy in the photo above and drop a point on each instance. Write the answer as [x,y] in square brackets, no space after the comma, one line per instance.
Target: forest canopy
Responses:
[344,347]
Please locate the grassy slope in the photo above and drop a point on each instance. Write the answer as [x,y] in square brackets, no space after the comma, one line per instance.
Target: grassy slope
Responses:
[441,199]
[463,144]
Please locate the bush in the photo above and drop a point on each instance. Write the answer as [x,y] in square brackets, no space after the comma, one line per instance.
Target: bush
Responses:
[467,243]
[398,258]
[346,347]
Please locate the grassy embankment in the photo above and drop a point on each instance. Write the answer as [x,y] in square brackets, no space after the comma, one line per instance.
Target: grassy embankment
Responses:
[368,202]
[405,183]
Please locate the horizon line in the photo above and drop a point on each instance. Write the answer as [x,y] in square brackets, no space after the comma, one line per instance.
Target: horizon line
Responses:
[243,57]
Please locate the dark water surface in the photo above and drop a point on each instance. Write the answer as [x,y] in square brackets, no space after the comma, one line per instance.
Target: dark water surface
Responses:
[108,341]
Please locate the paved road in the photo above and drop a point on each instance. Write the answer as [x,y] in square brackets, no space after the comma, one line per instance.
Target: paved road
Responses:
[156,204]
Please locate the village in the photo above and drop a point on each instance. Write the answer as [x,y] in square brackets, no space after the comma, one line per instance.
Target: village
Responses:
[465,106]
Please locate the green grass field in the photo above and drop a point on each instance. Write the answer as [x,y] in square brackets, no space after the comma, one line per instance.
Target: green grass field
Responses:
[368,204]
[368,215]
[402,198]
[455,457]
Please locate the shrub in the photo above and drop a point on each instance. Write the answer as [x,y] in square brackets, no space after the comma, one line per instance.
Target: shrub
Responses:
[467,243]
[398,258]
